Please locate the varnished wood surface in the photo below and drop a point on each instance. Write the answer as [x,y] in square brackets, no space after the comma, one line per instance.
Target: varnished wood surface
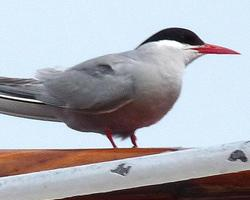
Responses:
[235,186]
[13,162]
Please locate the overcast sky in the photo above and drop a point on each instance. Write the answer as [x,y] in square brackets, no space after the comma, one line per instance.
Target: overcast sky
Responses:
[214,106]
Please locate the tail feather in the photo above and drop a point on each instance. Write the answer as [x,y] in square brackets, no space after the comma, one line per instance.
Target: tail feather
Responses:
[18,98]
[24,88]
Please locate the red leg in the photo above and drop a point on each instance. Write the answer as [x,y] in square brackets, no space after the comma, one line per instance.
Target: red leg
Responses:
[133,139]
[108,133]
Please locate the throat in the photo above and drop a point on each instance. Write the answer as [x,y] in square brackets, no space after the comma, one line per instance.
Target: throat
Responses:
[190,56]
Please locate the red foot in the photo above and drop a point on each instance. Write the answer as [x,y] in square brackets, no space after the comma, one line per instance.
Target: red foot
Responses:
[133,140]
[108,133]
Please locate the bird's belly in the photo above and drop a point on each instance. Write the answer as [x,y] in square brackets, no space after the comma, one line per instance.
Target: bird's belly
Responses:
[154,108]
[142,112]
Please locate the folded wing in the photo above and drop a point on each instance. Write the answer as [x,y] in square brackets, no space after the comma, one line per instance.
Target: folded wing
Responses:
[89,87]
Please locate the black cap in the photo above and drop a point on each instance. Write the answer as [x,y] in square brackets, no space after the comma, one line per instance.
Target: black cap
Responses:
[177,34]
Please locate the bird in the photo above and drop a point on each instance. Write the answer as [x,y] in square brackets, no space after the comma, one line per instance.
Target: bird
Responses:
[114,94]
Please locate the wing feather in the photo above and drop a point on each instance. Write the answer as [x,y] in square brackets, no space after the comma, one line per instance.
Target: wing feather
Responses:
[92,86]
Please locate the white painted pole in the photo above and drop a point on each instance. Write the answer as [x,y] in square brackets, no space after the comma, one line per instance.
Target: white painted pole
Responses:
[127,173]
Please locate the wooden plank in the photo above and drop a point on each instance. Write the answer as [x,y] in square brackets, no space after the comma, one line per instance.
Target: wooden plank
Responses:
[15,162]
[231,186]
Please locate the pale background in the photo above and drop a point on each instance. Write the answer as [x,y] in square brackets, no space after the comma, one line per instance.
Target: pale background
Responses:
[214,106]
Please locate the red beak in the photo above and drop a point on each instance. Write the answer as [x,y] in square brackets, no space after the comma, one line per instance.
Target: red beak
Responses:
[214,49]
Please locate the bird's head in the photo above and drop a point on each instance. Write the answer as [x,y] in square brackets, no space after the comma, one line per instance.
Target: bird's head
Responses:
[186,41]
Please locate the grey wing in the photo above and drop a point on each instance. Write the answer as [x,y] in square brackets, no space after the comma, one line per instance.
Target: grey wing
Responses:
[91,86]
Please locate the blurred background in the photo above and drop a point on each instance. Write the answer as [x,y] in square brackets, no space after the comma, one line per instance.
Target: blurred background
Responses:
[214,106]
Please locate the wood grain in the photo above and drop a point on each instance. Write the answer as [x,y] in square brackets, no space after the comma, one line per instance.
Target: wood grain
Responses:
[234,186]
[13,162]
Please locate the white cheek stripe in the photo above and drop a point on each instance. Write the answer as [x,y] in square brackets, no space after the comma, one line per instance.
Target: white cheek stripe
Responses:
[171,43]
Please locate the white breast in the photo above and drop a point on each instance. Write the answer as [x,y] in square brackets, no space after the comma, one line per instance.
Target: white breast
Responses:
[158,79]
